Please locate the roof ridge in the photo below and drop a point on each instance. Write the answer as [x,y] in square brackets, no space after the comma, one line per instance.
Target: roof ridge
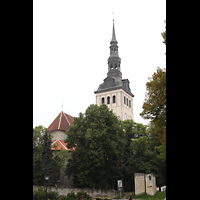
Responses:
[68,114]
[67,119]
[60,120]
[63,145]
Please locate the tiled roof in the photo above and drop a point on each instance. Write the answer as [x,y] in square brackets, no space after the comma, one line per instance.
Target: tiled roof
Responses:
[61,122]
[60,145]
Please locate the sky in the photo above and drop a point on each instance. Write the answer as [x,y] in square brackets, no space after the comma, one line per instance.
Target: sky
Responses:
[71,42]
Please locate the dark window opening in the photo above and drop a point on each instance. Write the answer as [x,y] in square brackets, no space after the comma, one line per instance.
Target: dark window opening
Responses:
[114,100]
[108,100]
[149,177]
[102,100]
[124,100]
[130,103]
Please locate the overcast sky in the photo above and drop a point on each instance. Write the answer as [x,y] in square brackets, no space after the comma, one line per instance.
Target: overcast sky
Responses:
[71,42]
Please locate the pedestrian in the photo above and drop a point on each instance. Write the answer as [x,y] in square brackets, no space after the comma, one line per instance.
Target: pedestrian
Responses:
[130,198]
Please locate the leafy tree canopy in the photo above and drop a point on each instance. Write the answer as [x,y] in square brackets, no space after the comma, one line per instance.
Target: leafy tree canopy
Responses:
[98,137]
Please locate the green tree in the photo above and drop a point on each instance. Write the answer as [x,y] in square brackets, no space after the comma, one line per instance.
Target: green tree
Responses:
[131,130]
[154,107]
[50,167]
[38,174]
[143,159]
[98,138]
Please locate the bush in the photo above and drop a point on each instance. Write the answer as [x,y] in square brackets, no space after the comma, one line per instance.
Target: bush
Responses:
[40,194]
[61,197]
[71,196]
[84,195]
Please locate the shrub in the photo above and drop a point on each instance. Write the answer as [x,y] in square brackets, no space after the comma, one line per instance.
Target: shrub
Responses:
[62,197]
[71,196]
[84,195]
[41,194]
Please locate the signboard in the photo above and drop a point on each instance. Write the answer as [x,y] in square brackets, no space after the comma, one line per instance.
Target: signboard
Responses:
[119,183]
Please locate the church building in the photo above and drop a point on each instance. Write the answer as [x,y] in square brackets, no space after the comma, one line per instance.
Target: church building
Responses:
[58,128]
[115,92]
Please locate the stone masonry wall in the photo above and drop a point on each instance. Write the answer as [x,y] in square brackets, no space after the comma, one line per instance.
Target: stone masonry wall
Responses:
[92,192]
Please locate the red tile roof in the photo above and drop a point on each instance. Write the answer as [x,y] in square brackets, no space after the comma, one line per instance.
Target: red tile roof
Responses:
[60,145]
[61,122]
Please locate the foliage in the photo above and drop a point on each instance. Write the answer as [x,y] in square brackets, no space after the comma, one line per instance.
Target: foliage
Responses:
[84,195]
[142,159]
[49,165]
[38,174]
[41,194]
[140,153]
[71,196]
[101,196]
[154,106]
[158,196]
[131,130]
[164,35]
[98,137]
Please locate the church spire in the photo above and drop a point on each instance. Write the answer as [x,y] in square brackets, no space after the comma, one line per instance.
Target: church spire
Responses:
[114,61]
[113,34]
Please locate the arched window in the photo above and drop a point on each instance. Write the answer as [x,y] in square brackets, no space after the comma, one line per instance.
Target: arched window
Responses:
[102,100]
[115,65]
[124,100]
[111,66]
[130,103]
[108,100]
[114,99]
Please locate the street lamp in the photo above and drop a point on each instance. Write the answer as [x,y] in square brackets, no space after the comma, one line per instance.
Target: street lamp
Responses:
[46,178]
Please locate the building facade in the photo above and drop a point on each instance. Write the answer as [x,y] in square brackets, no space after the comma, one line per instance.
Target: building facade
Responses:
[115,92]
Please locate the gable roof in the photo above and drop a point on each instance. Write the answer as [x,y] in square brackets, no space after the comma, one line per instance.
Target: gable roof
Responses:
[61,122]
[60,145]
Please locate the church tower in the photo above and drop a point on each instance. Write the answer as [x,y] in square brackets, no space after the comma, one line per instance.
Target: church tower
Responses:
[115,91]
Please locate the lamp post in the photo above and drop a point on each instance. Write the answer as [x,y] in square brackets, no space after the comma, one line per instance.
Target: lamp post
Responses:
[46,178]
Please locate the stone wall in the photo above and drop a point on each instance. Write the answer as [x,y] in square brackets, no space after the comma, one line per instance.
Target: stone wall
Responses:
[92,192]
[139,183]
[150,180]
[145,183]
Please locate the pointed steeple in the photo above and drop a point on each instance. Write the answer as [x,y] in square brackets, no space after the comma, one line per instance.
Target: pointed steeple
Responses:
[113,35]
[114,61]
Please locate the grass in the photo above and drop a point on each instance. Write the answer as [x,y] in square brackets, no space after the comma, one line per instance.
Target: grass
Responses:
[158,196]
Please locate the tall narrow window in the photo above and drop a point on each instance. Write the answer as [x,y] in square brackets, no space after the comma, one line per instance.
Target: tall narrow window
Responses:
[127,101]
[150,178]
[130,103]
[124,100]
[108,100]
[115,65]
[114,100]
[102,100]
